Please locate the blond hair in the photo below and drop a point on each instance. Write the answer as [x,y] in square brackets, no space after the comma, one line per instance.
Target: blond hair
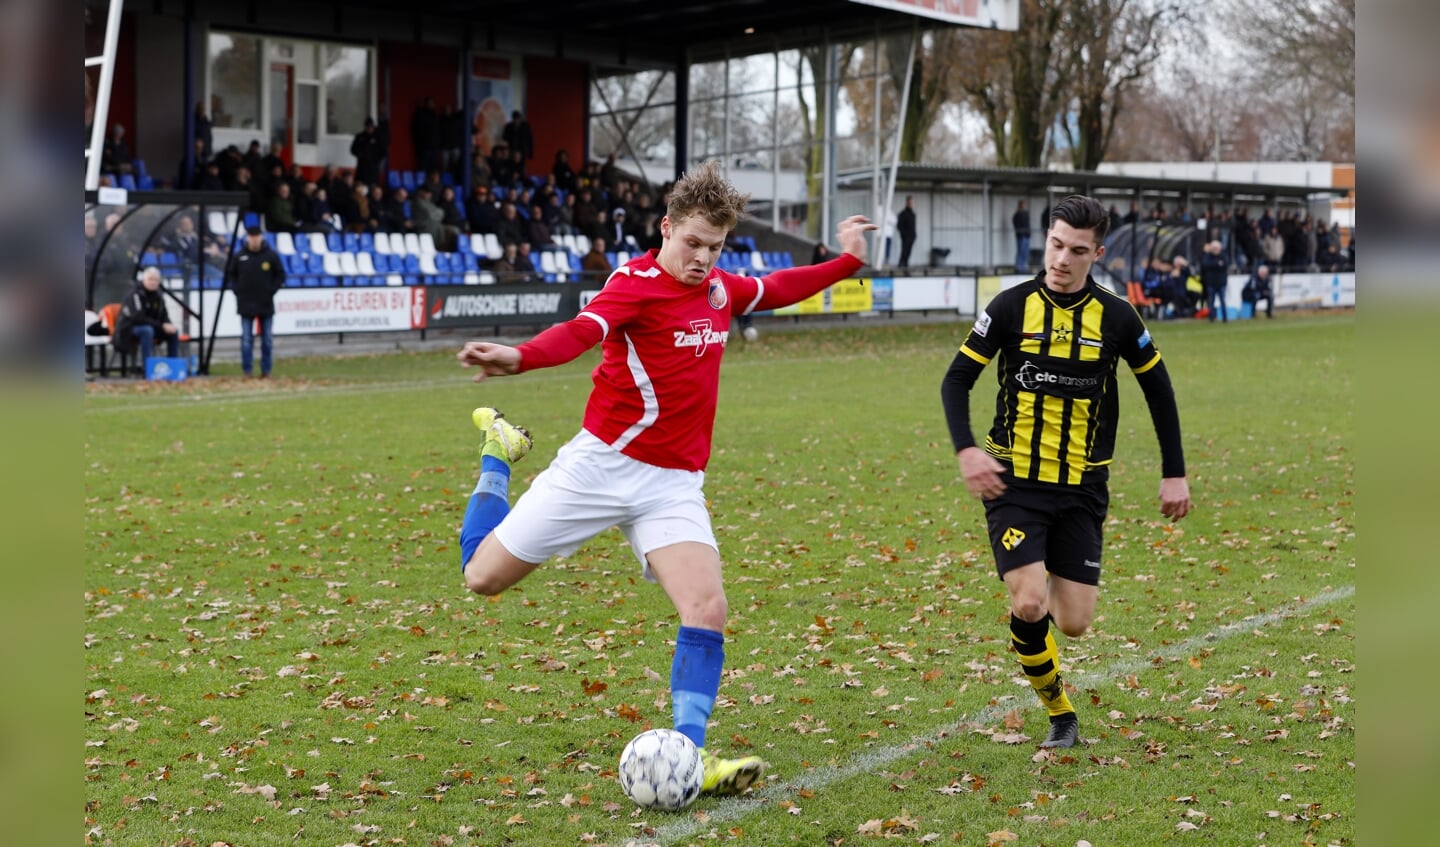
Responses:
[704,191]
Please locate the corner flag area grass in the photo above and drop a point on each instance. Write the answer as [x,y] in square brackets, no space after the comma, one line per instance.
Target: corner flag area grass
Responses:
[279,647]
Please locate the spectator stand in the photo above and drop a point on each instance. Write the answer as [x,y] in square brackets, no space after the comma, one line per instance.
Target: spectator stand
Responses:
[133,230]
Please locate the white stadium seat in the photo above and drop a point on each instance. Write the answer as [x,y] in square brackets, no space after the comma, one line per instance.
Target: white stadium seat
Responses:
[284,243]
[427,244]
[332,265]
[477,245]
[317,243]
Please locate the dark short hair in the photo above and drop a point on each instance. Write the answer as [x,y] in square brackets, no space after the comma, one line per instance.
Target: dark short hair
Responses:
[1082,212]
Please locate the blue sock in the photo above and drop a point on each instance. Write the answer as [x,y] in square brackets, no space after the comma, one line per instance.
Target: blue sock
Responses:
[489,504]
[695,679]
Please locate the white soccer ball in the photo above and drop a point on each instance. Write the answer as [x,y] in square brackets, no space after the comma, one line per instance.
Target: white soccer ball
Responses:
[661,769]
[750,333]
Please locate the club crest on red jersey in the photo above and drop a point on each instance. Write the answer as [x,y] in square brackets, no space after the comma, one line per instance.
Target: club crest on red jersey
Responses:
[718,297]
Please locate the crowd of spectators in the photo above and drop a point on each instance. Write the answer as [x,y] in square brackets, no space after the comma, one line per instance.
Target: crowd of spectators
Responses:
[522,204]
[1291,241]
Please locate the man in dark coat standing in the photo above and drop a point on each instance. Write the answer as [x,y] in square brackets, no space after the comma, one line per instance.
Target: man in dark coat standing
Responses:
[1021,222]
[368,148]
[255,275]
[518,136]
[905,228]
[1214,277]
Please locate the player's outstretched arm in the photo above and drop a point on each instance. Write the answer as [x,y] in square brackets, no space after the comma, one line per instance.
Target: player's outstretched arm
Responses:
[791,285]
[491,359]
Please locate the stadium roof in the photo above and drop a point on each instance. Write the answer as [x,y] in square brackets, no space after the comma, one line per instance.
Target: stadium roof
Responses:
[1083,181]
[651,32]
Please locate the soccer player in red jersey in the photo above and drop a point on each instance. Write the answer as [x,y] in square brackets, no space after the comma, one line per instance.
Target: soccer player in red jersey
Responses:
[663,320]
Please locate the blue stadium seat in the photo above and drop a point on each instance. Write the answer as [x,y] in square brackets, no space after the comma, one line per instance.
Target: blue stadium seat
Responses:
[332,243]
[145,182]
[127,182]
[367,242]
[350,242]
[407,180]
[315,264]
[251,219]
[392,179]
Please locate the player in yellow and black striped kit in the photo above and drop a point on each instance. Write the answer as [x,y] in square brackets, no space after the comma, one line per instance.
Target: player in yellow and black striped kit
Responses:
[1056,342]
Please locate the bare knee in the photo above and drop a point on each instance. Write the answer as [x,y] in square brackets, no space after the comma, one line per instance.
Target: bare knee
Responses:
[1072,625]
[1029,608]
[706,613]
[480,581]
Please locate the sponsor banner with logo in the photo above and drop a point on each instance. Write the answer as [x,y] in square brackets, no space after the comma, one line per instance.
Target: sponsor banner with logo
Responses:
[498,305]
[815,304]
[933,293]
[304,311]
[882,293]
[850,296]
[1310,291]
[986,287]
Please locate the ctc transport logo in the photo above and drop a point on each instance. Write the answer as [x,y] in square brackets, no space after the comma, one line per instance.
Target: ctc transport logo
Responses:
[1029,376]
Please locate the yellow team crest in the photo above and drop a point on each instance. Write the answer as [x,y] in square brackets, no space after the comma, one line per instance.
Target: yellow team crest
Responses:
[264,266]
[1012,538]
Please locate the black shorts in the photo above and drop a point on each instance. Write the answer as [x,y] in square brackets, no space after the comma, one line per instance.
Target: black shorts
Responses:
[1060,525]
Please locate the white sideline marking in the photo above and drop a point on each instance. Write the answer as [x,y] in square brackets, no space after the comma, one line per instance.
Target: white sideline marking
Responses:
[734,808]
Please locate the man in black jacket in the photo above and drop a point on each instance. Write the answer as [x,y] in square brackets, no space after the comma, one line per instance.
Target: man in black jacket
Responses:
[1214,276]
[143,320]
[905,228]
[255,275]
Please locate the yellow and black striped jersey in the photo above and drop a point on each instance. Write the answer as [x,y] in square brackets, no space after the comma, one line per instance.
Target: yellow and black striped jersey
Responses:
[1056,356]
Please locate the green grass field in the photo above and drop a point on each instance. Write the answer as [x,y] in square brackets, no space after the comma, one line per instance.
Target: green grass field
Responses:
[279,648]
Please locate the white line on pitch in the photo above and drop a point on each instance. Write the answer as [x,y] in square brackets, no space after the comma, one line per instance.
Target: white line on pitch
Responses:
[735,808]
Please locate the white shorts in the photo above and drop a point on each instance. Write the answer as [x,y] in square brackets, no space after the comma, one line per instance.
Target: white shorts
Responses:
[591,487]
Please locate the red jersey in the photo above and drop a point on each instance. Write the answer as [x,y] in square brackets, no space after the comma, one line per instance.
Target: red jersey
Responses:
[658,382]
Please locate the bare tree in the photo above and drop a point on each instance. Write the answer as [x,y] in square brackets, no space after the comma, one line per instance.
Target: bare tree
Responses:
[1112,46]
[816,118]
[1314,38]
[933,77]
[1304,121]
[1016,81]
